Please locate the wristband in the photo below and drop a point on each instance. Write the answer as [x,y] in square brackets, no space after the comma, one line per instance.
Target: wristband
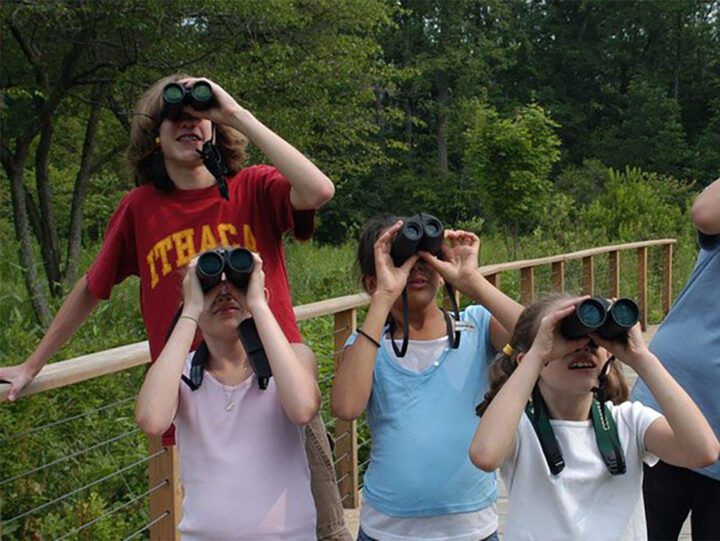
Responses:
[191,318]
[366,335]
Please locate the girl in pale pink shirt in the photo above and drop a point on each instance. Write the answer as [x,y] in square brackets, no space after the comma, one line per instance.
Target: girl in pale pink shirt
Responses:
[242,455]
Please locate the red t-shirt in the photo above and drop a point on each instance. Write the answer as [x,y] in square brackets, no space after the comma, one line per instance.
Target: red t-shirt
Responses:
[155,234]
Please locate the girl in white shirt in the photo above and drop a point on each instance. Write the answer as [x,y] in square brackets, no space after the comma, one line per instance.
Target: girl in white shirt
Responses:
[580,482]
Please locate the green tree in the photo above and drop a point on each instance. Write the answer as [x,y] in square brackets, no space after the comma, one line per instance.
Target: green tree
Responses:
[510,160]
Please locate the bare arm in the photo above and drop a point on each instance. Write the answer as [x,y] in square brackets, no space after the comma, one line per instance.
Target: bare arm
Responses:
[310,187]
[706,210]
[683,437]
[293,366]
[79,304]
[353,379]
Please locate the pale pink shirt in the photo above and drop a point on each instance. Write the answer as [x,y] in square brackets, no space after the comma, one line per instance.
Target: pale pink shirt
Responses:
[244,470]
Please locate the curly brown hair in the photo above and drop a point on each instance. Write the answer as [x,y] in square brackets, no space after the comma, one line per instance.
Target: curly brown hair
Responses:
[143,156]
[616,388]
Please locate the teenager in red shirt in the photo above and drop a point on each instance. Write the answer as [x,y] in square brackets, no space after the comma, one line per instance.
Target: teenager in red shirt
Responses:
[177,212]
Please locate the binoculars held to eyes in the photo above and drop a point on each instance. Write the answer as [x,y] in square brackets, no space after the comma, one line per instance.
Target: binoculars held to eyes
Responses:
[199,96]
[419,232]
[609,320]
[236,263]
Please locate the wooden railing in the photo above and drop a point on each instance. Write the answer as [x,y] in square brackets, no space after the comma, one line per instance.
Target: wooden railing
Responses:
[165,500]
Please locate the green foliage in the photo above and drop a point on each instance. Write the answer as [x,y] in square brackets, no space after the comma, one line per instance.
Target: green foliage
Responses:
[510,161]
[637,205]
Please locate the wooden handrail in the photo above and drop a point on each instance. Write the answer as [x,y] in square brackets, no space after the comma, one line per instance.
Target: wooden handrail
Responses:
[98,364]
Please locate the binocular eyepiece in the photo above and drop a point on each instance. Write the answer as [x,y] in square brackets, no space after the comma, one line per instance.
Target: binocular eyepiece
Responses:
[175,96]
[597,314]
[236,263]
[419,232]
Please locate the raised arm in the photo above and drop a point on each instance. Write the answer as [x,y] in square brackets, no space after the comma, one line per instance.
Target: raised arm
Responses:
[311,188]
[293,365]
[459,267]
[353,379]
[495,435]
[683,436]
[706,210]
[79,304]
[157,400]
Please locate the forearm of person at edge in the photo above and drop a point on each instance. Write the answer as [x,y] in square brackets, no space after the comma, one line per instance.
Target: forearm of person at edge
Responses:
[78,305]
[311,188]
[706,210]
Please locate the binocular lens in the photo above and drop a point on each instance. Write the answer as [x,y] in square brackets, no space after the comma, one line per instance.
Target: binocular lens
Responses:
[590,313]
[412,230]
[433,229]
[173,93]
[210,263]
[625,312]
[240,260]
[201,91]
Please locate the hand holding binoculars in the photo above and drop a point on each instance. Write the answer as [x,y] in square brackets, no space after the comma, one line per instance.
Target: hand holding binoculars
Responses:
[610,320]
[236,263]
[175,96]
[419,232]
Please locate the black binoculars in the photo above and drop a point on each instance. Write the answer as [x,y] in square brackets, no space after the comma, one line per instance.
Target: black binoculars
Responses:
[597,314]
[419,232]
[175,96]
[236,263]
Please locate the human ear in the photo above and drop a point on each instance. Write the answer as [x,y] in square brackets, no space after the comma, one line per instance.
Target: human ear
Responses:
[370,284]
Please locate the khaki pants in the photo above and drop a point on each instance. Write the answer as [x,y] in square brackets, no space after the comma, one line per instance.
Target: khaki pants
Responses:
[330,518]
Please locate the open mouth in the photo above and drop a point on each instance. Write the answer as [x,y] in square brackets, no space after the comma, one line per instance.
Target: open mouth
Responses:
[188,137]
[581,364]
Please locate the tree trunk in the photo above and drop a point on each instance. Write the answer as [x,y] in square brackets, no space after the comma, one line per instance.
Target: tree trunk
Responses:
[38,298]
[49,244]
[80,189]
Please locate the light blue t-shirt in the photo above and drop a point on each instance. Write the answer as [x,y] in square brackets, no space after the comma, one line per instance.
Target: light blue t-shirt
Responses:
[422,425]
[688,341]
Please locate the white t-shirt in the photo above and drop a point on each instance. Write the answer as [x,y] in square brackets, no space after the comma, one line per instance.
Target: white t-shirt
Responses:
[583,502]
[244,468]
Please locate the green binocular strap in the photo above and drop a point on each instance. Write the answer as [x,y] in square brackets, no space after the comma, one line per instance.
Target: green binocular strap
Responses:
[606,435]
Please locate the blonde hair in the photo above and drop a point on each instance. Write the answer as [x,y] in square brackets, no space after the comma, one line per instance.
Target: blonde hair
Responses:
[143,156]
[615,390]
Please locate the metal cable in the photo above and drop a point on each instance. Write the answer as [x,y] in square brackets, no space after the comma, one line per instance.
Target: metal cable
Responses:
[67,419]
[147,526]
[73,492]
[339,459]
[68,457]
[115,510]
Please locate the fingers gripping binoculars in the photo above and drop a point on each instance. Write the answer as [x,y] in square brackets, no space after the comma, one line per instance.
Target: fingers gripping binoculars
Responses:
[236,263]
[175,96]
[419,232]
[597,314]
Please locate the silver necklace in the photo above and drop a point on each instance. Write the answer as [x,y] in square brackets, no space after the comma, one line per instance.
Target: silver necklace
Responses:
[229,393]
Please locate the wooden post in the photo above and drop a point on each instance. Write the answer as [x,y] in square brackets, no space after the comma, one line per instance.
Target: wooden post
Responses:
[168,499]
[614,274]
[346,452]
[558,276]
[527,285]
[642,266]
[588,275]
[494,279]
[667,277]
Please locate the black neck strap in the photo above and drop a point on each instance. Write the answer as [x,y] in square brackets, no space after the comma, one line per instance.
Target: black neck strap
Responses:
[606,435]
[453,335]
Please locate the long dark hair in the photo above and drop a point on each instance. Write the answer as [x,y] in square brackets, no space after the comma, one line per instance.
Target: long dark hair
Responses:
[616,388]
[366,243]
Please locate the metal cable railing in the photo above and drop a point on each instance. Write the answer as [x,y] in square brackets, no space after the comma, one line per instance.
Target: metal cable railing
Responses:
[85,487]
[71,455]
[114,510]
[147,526]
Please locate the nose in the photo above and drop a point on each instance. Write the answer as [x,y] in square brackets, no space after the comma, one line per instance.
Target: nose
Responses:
[188,120]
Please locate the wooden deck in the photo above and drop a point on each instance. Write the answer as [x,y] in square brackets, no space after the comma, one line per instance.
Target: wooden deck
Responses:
[352,515]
